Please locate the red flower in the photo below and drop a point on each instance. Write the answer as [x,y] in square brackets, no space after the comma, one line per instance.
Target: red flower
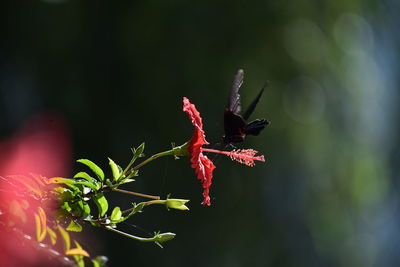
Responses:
[203,166]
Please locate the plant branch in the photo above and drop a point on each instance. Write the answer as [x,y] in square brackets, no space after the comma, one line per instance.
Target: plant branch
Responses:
[135,193]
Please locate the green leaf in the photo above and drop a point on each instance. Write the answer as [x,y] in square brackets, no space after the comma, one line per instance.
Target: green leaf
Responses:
[66,206]
[116,214]
[90,185]
[133,174]
[59,180]
[125,181]
[79,260]
[115,170]
[101,203]
[136,208]
[84,175]
[96,169]
[95,263]
[139,151]
[66,194]
[66,238]
[74,227]
[38,227]
[99,261]
[79,209]
[43,223]
[76,208]
[136,154]
[78,253]
[109,183]
[85,208]
[120,169]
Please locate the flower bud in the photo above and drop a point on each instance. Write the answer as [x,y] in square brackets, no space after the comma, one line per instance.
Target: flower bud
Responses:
[164,237]
[178,204]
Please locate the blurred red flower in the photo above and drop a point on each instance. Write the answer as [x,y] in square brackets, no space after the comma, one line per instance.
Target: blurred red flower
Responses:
[41,146]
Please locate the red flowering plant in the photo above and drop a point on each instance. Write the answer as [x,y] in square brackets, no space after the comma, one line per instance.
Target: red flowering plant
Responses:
[203,166]
[57,206]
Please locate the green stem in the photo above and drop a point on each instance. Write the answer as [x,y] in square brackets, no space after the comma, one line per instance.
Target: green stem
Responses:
[147,203]
[155,156]
[143,239]
[176,151]
[135,193]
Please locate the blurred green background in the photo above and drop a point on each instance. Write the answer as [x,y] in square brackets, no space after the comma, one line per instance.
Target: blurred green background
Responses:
[116,71]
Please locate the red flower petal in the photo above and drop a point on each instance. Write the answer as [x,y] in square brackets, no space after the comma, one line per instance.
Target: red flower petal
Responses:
[198,138]
[204,170]
[203,166]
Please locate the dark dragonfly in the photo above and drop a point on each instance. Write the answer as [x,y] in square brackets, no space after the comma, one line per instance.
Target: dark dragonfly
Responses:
[235,126]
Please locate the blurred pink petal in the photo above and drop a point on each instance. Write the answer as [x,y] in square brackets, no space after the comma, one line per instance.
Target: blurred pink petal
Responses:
[41,145]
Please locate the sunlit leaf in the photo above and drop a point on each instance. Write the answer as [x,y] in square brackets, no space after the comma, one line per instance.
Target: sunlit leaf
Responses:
[41,228]
[76,208]
[101,203]
[115,170]
[116,214]
[85,207]
[96,263]
[96,169]
[84,175]
[59,180]
[90,185]
[125,181]
[38,226]
[52,235]
[136,153]
[133,173]
[66,193]
[74,226]
[66,238]
[78,254]
[109,183]
[120,169]
[66,206]
[136,208]
[99,261]
[43,223]
[139,151]
[79,260]
[77,251]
